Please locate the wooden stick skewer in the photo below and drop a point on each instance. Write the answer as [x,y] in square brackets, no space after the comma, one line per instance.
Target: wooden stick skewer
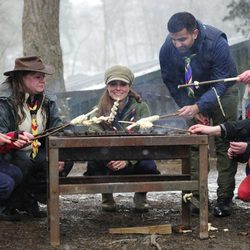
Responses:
[197,84]
[126,122]
[56,129]
[169,115]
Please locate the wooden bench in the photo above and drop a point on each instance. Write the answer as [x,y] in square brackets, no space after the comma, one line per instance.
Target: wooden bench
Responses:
[130,147]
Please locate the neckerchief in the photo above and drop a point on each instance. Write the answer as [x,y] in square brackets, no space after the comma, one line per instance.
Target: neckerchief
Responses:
[32,104]
[188,75]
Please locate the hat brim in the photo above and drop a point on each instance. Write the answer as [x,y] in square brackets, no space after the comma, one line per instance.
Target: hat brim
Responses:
[48,69]
[118,79]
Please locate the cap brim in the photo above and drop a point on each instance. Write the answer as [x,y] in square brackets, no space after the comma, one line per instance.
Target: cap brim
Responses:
[118,79]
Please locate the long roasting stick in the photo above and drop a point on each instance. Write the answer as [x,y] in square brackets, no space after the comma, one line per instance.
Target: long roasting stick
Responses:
[197,84]
[147,122]
[154,117]
[159,126]
[77,120]
[51,131]
[56,129]
[169,115]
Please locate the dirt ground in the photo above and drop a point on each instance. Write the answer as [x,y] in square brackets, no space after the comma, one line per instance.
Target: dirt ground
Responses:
[85,226]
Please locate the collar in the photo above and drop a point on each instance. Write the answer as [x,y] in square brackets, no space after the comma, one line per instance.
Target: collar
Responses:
[31,100]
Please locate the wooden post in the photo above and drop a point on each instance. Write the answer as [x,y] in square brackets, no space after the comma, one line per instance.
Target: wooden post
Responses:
[53,198]
[203,191]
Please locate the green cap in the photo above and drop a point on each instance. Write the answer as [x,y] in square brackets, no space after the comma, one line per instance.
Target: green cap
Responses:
[118,72]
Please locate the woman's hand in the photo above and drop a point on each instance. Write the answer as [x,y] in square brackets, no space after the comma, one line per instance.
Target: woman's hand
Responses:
[23,140]
[116,165]
[4,139]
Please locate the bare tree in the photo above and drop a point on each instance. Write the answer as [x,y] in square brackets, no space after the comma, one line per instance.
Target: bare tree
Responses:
[10,43]
[240,11]
[41,37]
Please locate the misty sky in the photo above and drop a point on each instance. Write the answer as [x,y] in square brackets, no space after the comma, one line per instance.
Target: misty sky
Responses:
[127,32]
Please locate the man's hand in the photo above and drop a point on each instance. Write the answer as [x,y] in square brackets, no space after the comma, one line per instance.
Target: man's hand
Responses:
[189,111]
[245,77]
[201,119]
[116,165]
[238,148]
[230,153]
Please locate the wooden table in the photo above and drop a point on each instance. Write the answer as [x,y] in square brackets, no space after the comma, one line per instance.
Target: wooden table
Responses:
[127,147]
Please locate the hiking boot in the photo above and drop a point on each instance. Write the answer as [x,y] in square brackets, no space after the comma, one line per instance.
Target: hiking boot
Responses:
[108,203]
[223,208]
[8,214]
[140,201]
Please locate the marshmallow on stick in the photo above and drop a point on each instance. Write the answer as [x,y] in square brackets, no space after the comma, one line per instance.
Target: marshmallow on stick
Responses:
[113,111]
[81,118]
[96,120]
[145,123]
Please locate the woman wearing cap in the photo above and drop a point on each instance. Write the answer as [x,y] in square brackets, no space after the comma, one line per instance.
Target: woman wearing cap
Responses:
[118,80]
[27,108]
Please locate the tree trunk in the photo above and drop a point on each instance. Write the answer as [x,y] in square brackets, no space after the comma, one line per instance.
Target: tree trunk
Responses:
[41,37]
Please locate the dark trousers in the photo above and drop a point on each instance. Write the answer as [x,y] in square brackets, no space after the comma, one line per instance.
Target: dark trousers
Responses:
[97,168]
[35,174]
[226,168]
[10,178]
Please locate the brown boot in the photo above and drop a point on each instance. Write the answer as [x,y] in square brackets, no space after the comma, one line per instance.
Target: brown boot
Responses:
[108,203]
[140,201]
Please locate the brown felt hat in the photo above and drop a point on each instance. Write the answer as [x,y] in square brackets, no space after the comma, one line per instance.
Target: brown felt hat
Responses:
[118,72]
[31,63]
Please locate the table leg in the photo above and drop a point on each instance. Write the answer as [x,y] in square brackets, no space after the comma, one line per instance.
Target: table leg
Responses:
[53,198]
[203,190]
[185,206]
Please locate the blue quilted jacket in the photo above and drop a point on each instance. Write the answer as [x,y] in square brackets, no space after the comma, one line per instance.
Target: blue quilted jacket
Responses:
[212,61]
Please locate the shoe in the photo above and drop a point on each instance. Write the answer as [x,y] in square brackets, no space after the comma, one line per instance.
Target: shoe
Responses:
[31,207]
[223,208]
[140,201]
[8,214]
[108,203]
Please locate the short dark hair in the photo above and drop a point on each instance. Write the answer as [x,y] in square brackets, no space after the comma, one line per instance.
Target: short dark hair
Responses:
[180,21]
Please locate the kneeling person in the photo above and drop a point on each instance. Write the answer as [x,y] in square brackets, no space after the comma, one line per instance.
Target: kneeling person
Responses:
[118,80]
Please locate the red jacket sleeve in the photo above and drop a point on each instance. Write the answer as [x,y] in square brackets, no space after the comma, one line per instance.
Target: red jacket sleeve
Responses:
[8,146]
